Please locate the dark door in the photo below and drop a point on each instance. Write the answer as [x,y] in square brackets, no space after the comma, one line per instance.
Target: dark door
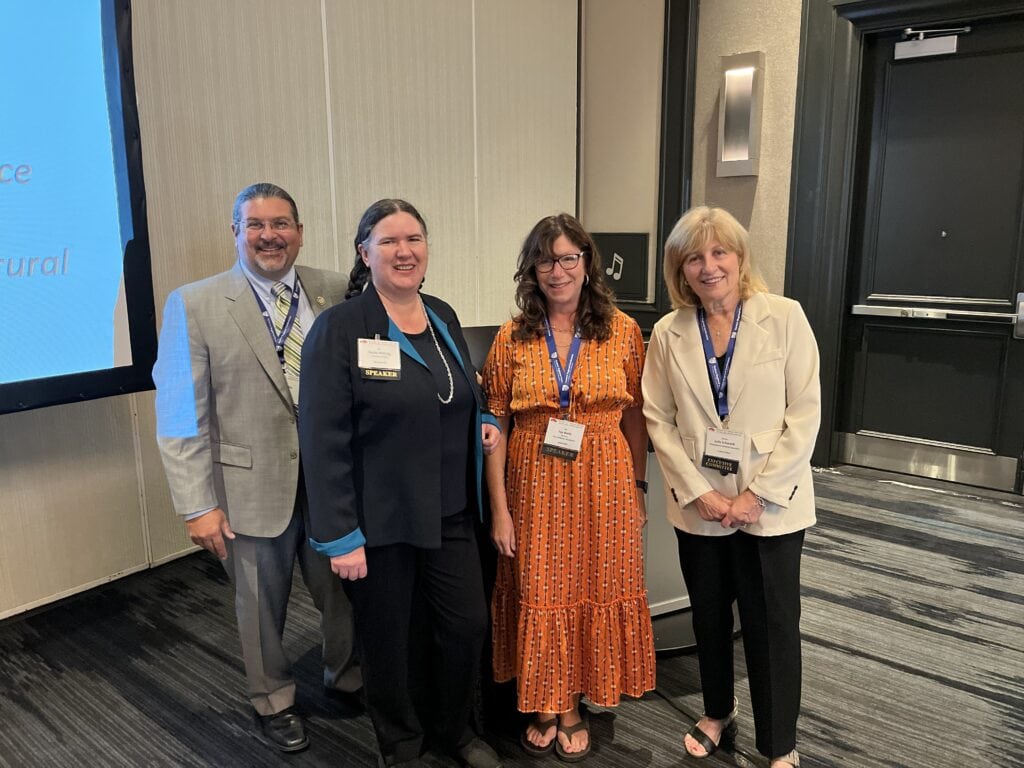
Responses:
[933,363]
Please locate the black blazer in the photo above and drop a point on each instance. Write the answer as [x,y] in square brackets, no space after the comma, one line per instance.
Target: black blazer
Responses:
[370,447]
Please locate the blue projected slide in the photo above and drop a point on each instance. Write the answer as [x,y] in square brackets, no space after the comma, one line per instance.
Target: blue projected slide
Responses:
[64,207]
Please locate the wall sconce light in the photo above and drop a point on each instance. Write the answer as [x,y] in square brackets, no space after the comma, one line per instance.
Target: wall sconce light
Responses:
[739,114]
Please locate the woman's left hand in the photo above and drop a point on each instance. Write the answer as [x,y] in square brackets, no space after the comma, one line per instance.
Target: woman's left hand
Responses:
[642,508]
[503,533]
[744,511]
[489,436]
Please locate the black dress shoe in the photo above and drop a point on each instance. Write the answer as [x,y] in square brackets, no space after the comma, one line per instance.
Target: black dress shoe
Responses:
[351,703]
[416,762]
[478,754]
[284,729]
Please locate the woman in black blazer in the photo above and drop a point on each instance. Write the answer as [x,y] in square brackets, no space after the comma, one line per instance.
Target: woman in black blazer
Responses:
[392,433]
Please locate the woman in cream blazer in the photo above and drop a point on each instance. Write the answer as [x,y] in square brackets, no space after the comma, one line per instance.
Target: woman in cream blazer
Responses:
[732,402]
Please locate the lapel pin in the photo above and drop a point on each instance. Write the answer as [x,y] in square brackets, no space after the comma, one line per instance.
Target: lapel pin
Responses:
[321,300]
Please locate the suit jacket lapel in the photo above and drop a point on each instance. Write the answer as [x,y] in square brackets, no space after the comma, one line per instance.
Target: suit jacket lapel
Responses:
[470,373]
[377,321]
[442,328]
[403,342]
[688,354]
[377,315]
[313,289]
[245,311]
[750,339]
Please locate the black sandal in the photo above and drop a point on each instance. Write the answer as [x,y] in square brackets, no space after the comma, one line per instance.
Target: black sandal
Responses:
[570,731]
[542,726]
[725,738]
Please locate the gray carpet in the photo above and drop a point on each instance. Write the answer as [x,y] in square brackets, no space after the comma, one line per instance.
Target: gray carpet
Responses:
[912,621]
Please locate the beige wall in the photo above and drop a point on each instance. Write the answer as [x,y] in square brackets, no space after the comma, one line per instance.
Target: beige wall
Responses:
[761,203]
[465,107]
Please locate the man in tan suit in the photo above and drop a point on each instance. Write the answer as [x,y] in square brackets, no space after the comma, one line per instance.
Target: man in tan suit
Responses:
[227,391]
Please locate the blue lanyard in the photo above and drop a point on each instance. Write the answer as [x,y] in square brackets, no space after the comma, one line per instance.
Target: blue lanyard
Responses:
[286,326]
[719,378]
[563,376]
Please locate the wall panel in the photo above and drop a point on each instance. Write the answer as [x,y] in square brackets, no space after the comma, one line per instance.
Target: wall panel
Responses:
[526,124]
[70,510]
[401,95]
[228,95]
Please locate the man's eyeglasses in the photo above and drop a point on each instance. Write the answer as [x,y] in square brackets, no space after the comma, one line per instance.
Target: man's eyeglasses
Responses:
[277,225]
[567,262]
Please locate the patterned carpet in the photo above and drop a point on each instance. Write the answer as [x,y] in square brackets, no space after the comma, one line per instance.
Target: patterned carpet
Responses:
[912,619]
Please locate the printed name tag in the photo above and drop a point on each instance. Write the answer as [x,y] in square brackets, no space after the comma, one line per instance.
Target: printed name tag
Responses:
[379,359]
[563,439]
[723,449]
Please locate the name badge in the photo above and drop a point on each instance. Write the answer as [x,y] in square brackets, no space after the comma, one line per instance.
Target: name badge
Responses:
[723,449]
[563,439]
[379,359]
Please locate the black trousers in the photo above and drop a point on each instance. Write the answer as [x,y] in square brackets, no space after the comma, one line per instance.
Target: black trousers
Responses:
[420,619]
[762,574]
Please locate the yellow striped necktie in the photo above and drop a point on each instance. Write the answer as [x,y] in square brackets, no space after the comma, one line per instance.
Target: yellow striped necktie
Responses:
[293,343]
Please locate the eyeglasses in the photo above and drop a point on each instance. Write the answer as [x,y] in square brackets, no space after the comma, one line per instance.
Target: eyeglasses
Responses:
[567,262]
[277,225]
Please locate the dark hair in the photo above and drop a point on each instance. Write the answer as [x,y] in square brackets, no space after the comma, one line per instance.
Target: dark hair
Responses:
[258,192]
[596,306]
[360,273]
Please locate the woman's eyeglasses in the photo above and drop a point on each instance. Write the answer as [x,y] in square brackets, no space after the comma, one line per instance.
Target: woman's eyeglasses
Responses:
[567,262]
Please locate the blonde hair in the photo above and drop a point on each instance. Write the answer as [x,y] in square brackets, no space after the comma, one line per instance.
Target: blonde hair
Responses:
[698,227]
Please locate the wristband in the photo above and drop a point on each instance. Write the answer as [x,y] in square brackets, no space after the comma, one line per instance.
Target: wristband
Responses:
[642,485]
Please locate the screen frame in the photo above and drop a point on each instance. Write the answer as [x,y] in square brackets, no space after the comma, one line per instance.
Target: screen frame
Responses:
[138,279]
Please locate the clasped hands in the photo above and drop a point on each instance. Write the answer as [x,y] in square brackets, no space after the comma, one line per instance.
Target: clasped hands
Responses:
[734,512]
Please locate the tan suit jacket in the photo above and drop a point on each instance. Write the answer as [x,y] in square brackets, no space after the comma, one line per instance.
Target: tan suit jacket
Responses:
[774,399]
[225,419]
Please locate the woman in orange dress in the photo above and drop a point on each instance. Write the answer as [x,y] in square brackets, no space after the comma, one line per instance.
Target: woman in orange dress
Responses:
[566,484]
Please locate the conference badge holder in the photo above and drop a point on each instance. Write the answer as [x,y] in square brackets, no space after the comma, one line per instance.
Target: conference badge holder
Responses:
[379,359]
[723,449]
[563,439]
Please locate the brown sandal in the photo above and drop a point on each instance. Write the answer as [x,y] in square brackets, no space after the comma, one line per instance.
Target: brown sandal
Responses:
[542,726]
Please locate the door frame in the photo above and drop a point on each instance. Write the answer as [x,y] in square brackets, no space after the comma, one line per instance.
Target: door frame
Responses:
[824,155]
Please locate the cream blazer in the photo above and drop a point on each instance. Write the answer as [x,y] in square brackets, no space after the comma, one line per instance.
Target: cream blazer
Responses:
[774,399]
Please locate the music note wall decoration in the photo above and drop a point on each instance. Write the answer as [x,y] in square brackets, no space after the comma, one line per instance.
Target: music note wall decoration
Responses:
[626,262]
[615,270]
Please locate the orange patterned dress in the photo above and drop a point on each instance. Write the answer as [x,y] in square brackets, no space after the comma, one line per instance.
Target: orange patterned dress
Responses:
[570,610]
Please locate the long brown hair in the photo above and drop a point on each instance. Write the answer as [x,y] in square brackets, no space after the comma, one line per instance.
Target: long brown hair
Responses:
[596,306]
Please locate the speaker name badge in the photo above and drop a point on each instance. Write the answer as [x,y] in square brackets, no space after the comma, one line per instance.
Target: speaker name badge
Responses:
[379,359]
[563,439]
